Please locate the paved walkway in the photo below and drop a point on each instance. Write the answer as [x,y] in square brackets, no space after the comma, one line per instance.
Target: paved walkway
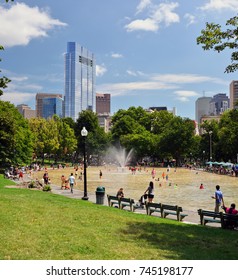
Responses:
[192,217]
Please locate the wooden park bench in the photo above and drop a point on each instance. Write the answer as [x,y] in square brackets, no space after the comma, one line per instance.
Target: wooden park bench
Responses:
[124,202]
[165,210]
[153,207]
[229,221]
[113,200]
[121,202]
[173,210]
[209,217]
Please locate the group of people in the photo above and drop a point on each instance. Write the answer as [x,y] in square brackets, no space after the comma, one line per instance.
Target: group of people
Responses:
[219,202]
[218,196]
[149,191]
[68,183]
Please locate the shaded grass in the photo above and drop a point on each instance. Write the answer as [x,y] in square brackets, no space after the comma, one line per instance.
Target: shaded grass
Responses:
[39,225]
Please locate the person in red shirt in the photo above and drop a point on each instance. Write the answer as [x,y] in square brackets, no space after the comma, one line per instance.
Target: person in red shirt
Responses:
[21,175]
[231,210]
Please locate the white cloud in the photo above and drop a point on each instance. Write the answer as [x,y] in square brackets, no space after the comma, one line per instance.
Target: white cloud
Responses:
[190,18]
[100,70]
[123,88]
[157,15]
[185,78]
[140,24]
[164,13]
[20,90]
[142,5]
[221,5]
[116,55]
[17,97]
[158,82]
[184,95]
[23,23]
[131,73]
[135,73]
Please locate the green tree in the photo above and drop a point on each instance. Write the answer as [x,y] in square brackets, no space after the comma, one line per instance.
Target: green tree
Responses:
[159,120]
[15,136]
[3,80]
[141,141]
[97,140]
[177,138]
[210,133]
[213,37]
[227,136]
[39,129]
[66,137]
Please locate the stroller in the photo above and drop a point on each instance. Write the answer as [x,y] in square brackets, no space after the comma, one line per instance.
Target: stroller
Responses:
[142,201]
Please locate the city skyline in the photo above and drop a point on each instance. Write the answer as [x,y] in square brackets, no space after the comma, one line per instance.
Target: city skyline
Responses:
[145,50]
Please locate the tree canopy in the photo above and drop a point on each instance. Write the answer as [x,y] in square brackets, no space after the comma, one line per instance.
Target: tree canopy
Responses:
[213,37]
[16,143]
[3,80]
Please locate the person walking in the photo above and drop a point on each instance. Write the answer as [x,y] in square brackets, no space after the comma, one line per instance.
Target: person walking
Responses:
[150,191]
[71,182]
[218,199]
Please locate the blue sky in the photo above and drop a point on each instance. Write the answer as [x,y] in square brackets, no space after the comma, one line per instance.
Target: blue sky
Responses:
[146,51]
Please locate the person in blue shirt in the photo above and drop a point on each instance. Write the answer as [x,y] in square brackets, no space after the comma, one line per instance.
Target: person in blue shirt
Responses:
[218,198]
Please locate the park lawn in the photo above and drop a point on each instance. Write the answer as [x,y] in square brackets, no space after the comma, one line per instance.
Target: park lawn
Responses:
[37,225]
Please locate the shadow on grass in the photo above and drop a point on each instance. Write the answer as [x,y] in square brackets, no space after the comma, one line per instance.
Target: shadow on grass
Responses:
[184,241]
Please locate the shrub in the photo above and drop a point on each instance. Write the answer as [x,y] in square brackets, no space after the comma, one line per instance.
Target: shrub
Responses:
[32,185]
[47,188]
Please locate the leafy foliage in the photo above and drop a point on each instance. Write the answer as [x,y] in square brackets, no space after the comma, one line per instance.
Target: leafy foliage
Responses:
[15,136]
[53,137]
[97,140]
[3,80]
[212,37]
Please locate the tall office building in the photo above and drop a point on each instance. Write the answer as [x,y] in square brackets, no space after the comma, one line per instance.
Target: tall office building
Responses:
[52,106]
[39,101]
[80,72]
[202,107]
[26,111]
[103,103]
[234,95]
[219,104]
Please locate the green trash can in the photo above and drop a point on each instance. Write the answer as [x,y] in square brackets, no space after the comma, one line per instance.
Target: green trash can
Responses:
[100,194]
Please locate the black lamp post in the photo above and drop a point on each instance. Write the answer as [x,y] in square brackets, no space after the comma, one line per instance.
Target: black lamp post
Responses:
[210,134]
[84,134]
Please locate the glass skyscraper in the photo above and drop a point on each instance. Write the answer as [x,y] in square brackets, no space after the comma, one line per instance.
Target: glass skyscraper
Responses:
[52,106]
[80,72]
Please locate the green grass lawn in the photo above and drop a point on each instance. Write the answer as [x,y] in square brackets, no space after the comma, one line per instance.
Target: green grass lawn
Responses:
[36,225]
